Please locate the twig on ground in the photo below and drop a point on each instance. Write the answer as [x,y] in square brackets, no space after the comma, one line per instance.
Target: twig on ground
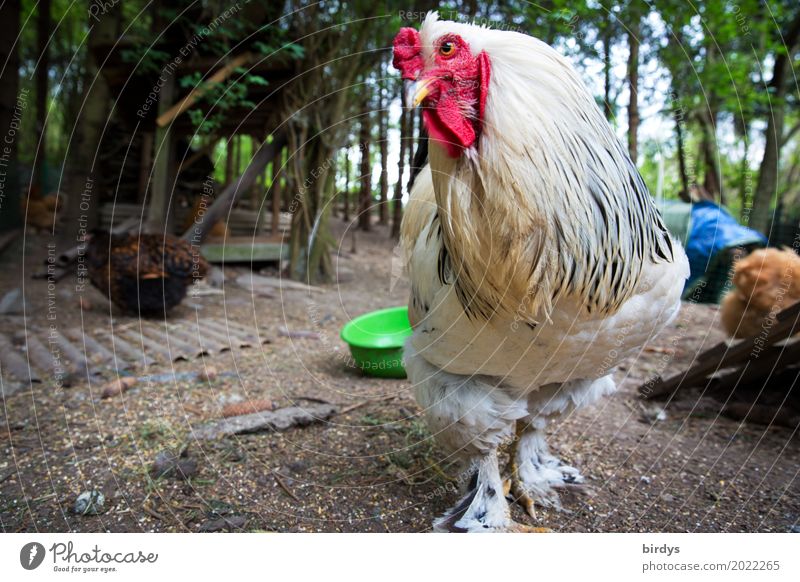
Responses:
[152,512]
[285,487]
[357,405]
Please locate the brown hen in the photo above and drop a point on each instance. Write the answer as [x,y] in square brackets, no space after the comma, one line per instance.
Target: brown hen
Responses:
[146,274]
[765,282]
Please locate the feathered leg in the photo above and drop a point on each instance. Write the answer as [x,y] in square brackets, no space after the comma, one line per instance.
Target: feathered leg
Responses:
[536,475]
[470,418]
[484,508]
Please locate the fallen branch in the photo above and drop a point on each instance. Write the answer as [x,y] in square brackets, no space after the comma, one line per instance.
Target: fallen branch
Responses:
[285,487]
[251,282]
[152,512]
[365,402]
[297,334]
[311,399]
[268,420]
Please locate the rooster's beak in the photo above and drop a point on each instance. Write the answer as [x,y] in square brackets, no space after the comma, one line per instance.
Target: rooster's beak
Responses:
[415,92]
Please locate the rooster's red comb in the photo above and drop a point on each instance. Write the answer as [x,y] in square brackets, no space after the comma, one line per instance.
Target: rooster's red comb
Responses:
[408,53]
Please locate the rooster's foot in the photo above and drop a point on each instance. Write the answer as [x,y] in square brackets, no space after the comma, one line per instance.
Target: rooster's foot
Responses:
[535,476]
[541,480]
[484,507]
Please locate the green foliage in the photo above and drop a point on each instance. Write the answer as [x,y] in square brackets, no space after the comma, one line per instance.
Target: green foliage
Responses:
[715,58]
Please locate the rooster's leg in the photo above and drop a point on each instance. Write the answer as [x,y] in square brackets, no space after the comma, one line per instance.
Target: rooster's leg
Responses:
[512,486]
[537,476]
[471,417]
[483,508]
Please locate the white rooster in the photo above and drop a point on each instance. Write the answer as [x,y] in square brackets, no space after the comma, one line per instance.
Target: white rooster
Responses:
[536,256]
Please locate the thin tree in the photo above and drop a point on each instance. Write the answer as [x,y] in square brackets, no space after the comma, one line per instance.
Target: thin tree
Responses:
[9,88]
[346,209]
[42,70]
[383,137]
[397,207]
[365,169]
[774,138]
[87,130]
[633,84]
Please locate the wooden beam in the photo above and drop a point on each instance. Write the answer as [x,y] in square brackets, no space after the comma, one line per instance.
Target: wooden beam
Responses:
[168,116]
[723,355]
[751,377]
[227,199]
[247,251]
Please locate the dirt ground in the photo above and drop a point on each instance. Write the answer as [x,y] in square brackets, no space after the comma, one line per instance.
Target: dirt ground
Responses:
[374,467]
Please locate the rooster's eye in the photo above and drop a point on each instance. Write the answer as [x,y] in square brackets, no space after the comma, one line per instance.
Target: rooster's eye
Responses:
[447,48]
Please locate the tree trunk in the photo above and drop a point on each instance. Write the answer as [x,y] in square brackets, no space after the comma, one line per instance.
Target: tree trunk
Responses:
[744,178]
[309,259]
[163,167]
[365,192]
[346,210]
[397,209]
[42,69]
[384,145]
[411,139]
[711,176]
[607,109]
[767,184]
[677,116]
[10,112]
[82,207]
[336,194]
[633,86]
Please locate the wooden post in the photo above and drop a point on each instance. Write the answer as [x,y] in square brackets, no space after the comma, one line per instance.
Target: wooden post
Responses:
[237,150]
[146,161]
[160,190]
[229,160]
[260,186]
[276,193]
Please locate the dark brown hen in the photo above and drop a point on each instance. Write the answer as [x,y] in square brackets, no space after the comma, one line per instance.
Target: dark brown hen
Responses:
[146,274]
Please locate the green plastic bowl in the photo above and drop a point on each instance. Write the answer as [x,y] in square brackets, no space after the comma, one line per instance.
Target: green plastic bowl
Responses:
[376,341]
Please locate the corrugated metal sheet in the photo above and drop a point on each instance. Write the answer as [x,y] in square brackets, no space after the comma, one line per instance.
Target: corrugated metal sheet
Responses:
[70,354]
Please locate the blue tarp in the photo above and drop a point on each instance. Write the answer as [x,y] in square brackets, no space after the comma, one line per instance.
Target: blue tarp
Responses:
[712,230]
